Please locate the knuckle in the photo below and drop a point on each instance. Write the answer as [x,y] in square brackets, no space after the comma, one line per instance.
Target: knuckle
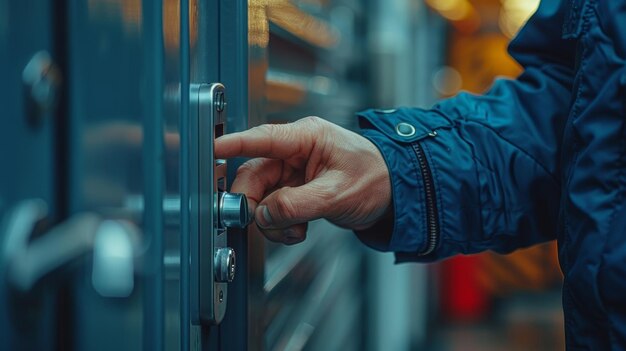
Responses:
[326,201]
[284,207]
[323,199]
[275,132]
[243,170]
[265,130]
[313,122]
[247,167]
[313,119]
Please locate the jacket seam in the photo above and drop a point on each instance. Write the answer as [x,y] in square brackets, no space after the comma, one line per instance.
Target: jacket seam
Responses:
[544,168]
[616,204]
[584,59]
[481,208]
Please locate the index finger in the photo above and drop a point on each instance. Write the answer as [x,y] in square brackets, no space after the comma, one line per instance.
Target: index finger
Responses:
[278,141]
[255,177]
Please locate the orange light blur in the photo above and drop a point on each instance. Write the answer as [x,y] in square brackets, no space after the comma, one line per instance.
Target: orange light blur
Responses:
[461,13]
[514,14]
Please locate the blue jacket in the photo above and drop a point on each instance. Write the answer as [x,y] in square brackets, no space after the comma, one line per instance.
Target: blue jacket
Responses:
[533,159]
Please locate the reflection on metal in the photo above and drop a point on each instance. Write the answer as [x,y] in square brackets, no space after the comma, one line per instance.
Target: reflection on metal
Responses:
[290,18]
[59,246]
[320,288]
[313,30]
[29,260]
[233,209]
[258,26]
[279,265]
[225,265]
[41,79]
[171,25]
[133,209]
[285,93]
[113,256]
[212,209]
[171,262]
[19,225]
[288,89]
[298,66]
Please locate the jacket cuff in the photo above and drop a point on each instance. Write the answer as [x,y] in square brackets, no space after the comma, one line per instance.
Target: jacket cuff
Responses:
[394,132]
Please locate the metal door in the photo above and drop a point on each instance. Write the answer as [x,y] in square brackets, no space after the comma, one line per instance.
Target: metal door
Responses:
[135,72]
[115,165]
[106,164]
[31,186]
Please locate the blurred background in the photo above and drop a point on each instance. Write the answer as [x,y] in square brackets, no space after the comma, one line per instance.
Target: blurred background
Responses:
[95,106]
[386,54]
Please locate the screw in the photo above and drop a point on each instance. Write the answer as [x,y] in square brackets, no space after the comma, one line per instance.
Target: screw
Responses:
[221,296]
[41,79]
[220,102]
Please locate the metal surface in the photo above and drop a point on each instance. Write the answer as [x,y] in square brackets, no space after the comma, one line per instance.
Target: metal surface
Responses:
[233,210]
[119,150]
[225,265]
[29,260]
[28,160]
[207,178]
[182,80]
[33,259]
[114,252]
[115,55]
[42,80]
[233,73]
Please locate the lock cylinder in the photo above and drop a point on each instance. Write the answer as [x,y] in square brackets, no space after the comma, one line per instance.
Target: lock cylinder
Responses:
[225,265]
[233,210]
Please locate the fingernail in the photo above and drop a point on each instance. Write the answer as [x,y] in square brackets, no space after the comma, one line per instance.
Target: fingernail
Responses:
[266,218]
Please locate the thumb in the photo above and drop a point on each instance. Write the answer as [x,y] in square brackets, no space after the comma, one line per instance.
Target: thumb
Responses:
[288,206]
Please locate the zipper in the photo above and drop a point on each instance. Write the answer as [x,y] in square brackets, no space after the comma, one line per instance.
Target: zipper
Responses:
[432,213]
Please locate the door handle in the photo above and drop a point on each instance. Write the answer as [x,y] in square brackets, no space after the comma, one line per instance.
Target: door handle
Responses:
[212,209]
[28,260]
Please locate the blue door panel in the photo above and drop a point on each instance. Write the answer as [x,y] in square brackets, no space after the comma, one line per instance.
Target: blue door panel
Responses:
[27,162]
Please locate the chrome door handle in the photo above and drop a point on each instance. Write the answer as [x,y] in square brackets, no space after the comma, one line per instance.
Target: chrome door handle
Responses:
[27,261]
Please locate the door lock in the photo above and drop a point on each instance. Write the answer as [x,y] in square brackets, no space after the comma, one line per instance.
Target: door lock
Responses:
[212,209]
[233,210]
[225,265]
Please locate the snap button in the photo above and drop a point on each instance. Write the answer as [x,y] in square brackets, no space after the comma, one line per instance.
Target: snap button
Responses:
[405,129]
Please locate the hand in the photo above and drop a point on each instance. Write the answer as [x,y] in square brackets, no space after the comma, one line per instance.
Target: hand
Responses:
[307,170]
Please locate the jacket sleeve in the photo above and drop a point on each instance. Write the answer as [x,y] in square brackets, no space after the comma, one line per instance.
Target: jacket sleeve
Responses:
[479,172]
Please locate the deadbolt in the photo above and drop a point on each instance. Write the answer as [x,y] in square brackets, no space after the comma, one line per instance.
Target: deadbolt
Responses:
[233,210]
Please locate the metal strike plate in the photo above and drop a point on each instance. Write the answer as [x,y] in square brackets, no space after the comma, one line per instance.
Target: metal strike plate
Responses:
[207,180]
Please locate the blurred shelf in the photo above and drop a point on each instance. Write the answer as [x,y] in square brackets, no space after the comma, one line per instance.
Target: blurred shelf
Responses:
[299,27]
